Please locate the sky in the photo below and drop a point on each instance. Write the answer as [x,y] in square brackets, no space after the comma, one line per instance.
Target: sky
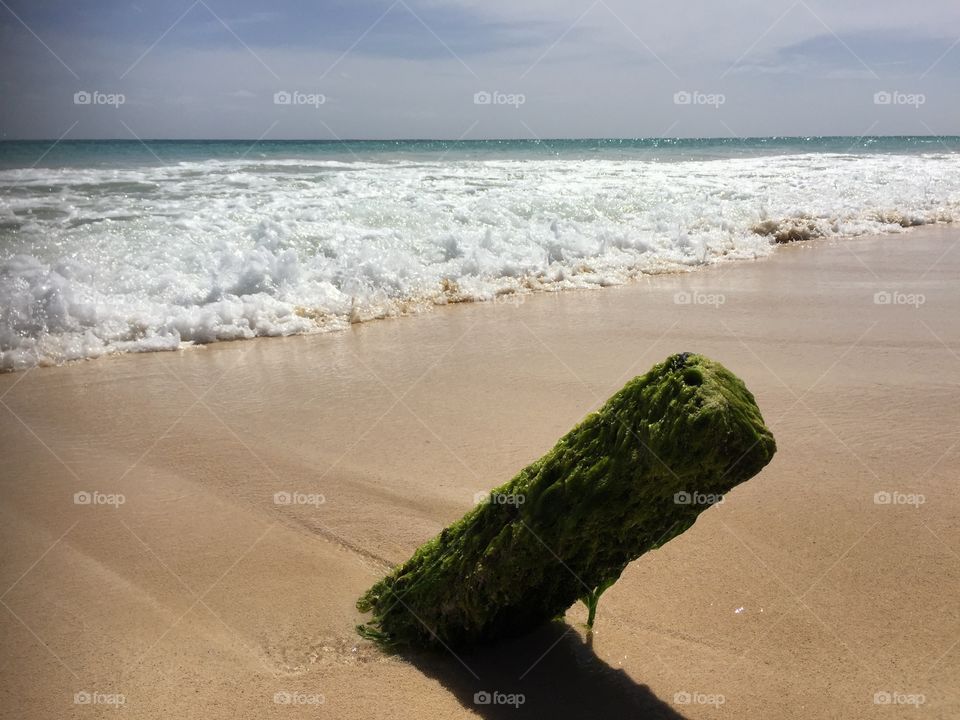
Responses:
[473,69]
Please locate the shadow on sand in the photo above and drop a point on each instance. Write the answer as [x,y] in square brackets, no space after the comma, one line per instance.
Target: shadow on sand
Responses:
[554,669]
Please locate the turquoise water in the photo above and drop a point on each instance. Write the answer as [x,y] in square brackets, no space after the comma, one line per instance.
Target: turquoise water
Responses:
[131,153]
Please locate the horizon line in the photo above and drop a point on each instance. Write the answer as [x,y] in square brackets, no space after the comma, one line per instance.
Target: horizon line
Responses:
[490,139]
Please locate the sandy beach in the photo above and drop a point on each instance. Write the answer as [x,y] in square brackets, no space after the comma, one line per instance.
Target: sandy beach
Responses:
[236,499]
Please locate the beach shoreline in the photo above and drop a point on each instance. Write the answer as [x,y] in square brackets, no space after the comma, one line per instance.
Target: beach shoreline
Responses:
[106,253]
[449,295]
[266,484]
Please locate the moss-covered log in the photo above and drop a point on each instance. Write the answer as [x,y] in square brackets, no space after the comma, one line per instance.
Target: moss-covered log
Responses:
[626,480]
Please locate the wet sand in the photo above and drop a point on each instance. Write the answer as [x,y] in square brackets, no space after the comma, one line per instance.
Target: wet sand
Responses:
[804,595]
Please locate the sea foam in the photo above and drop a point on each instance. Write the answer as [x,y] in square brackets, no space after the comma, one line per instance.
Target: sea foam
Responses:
[103,260]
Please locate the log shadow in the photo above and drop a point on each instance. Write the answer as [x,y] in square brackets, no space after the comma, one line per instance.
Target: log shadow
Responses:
[556,672]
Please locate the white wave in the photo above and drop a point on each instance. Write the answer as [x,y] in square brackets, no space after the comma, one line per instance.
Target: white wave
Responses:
[101,260]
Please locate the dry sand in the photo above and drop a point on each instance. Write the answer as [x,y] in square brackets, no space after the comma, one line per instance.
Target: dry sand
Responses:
[200,597]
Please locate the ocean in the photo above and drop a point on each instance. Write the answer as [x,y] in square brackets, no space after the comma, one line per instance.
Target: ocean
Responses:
[121,246]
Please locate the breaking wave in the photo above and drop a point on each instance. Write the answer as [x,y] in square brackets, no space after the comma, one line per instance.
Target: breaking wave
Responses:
[120,259]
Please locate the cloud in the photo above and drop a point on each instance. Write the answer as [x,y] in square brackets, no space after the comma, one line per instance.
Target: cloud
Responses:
[877,54]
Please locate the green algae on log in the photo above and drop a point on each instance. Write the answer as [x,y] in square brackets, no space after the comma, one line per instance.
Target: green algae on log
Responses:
[626,480]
